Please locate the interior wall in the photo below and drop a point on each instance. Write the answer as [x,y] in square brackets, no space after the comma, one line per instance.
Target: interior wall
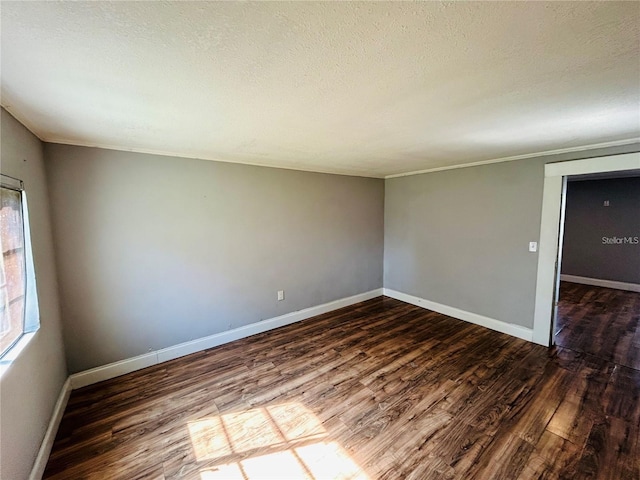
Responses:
[153,251]
[29,388]
[603,242]
[460,237]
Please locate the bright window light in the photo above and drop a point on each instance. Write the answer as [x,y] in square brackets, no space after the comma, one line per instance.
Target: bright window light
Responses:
[18,305]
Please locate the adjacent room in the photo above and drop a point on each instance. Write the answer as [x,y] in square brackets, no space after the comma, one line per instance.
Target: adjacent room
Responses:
[319,240]
[600,268]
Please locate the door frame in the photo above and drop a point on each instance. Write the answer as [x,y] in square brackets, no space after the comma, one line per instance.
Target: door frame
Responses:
[550,231]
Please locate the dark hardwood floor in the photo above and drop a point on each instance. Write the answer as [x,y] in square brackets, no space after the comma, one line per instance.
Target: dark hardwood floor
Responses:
[379,390]
[600,321]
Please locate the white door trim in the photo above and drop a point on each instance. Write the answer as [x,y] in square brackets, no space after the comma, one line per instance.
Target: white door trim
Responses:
[550,229]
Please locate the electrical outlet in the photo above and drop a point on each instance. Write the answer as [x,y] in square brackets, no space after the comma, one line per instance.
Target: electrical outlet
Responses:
[280,295]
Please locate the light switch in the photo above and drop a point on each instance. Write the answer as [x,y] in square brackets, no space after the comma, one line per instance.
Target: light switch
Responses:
[533,246]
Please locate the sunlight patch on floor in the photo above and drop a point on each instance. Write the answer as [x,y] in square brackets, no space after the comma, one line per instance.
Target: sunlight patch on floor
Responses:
[329,460]
[285,441]
[316,461]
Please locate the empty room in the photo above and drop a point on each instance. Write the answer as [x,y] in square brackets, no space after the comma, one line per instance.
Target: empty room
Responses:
[600,268]
[319,240]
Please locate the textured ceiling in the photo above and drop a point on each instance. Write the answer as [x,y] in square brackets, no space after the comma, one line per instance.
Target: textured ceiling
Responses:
[360,88]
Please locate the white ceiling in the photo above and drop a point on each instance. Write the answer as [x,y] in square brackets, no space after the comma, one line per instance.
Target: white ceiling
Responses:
[368,89]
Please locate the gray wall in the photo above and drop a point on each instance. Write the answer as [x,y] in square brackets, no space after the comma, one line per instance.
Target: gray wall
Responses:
[30,387]
[588,220]
[153,251]
[460,237]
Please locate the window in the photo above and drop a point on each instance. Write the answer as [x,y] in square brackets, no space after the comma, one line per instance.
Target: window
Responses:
[15,265]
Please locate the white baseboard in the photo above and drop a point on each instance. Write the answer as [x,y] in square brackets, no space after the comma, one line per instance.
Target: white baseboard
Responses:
[128,365]
[47,442]
[597,282]
[498,325]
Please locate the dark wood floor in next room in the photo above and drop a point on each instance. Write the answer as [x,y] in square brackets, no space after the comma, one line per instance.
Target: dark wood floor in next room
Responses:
[378,390]
[600,321]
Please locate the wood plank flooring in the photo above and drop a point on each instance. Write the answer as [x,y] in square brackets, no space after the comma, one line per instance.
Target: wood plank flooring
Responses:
[378,390]
[600,321]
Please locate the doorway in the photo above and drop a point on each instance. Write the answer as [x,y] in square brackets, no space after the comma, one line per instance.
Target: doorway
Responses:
[598,309]
[548,274]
